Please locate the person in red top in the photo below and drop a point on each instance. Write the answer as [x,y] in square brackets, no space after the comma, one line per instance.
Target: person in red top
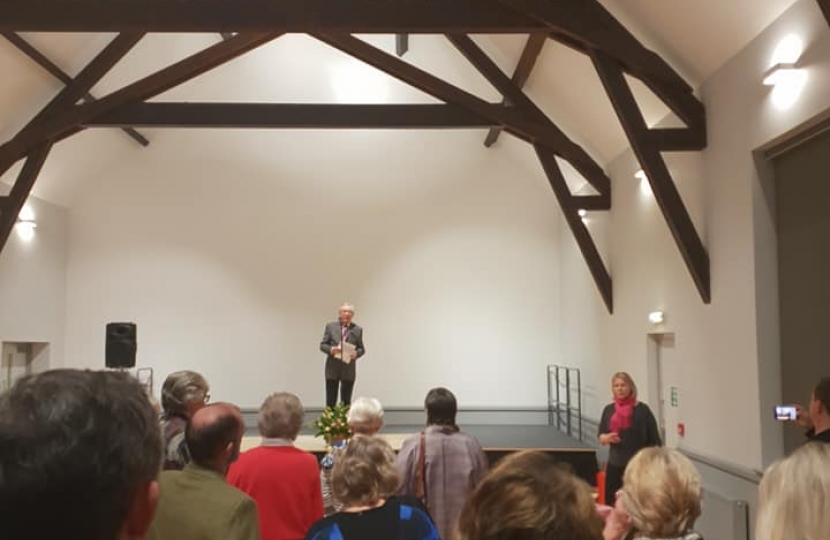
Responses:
[283,480]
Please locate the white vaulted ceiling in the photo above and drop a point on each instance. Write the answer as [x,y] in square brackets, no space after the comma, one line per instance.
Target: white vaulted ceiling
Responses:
[695,37]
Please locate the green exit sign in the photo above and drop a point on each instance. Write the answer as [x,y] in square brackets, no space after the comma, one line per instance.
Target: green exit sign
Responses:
[673,396]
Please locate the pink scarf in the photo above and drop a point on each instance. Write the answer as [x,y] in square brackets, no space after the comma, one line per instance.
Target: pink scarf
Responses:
[623,413]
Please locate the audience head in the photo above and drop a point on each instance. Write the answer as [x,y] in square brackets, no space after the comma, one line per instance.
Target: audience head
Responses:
[346,313]
[820,404]
[622,386]
[661,492]
[529,497]
[183,393]
[365,416]
[214,436]
[80,452]
[441,407]
[795,495]
[281,416]
[365,473]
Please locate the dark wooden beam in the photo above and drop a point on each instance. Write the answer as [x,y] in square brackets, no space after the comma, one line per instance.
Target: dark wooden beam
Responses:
[561,145]
[14,202]
[282,115]
[66,98]
[71,121]
[401,44]
[527,61]
[516,123]
[586,25]
[592,202]
[825,8]
[43,61]
[570,210]
[251,16]
[678,139]
[647,152]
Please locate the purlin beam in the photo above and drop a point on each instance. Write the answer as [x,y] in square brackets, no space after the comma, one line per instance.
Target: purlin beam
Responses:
[648,153]
[255,16]
[527,61]
[570,210]
[66,98]
[562,146]
[68,123]
[13,203]
[291,115]
[43,61]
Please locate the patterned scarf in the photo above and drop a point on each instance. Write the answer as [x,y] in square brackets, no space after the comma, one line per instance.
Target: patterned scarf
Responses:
[623,413]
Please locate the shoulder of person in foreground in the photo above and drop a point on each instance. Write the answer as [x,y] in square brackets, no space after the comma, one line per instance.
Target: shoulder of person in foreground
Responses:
[324,529]
[416,521]
[244,520]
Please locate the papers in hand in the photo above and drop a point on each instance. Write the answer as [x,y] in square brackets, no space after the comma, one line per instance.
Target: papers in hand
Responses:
[345,355]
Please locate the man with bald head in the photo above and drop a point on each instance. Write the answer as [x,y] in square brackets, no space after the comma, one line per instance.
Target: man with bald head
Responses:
[197,502]
[341,371]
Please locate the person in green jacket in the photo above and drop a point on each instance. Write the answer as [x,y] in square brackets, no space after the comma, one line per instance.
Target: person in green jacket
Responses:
[197,502]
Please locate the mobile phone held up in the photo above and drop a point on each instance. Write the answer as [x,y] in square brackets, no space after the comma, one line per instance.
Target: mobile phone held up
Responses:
[786,413]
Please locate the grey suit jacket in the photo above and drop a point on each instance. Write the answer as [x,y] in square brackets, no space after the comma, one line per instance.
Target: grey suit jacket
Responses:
[336,369]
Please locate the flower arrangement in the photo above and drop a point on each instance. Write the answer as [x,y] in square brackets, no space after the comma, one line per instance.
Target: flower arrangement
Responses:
[332,424]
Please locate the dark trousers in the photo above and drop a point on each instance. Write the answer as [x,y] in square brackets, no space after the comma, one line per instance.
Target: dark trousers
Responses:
[613,482]
[346,388]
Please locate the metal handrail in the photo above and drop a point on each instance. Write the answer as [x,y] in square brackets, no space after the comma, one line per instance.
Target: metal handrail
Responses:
[558,377]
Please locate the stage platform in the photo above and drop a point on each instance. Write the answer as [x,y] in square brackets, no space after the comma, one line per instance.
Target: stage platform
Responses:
[497,441]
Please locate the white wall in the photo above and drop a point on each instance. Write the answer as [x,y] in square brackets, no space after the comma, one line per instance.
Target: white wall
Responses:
[232,249]
[729,349]
[33,282]
[232,268]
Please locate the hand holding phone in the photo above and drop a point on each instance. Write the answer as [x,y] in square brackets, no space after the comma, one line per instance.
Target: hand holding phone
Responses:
[786,413]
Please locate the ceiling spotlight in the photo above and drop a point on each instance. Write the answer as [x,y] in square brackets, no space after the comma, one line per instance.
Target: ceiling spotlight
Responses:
[641,175]
[582,212]
[657,317]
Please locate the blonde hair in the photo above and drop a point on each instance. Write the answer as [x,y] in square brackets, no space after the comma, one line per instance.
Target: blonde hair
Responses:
[365,415]
[628,380]
[527,496]
[280,416]
[794,501]
[661,492]
[365,473]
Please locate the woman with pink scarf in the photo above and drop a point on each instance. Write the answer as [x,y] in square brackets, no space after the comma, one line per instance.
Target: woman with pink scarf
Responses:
[627,426]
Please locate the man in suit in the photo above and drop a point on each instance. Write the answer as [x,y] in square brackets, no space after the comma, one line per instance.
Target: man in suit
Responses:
[197,503]
[338,372]
[80,453]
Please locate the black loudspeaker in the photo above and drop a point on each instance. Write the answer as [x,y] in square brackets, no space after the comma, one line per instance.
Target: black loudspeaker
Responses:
[121,345]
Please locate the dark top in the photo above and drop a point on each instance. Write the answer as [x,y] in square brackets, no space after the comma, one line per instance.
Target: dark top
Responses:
[401,518]
[824,436]
[642,433]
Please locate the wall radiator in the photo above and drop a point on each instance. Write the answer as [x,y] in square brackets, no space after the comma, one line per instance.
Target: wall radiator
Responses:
[723,518]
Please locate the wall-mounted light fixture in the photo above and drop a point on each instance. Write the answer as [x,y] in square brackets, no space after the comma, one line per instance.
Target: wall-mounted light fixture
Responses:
[780,73]
[656,317]
[26,224]
[785,76]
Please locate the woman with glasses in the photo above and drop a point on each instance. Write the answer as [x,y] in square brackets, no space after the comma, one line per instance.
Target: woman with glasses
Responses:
[182,394]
